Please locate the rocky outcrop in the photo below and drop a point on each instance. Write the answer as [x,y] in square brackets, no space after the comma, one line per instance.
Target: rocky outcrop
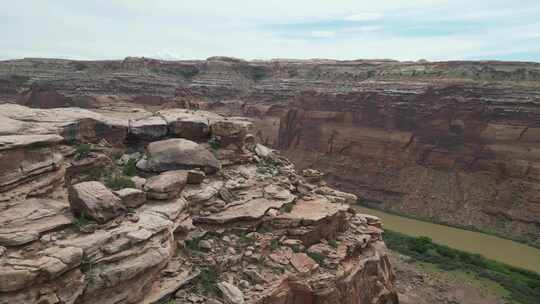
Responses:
[251,228]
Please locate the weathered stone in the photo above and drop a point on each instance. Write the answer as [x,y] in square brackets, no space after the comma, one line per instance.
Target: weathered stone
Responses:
[16,274]
[131,198]
[24,221]
[167,185]
[303,263]
[177,153]
[251,210]
[149,128]
[139,182]
[233,128]
[231,293]
[192,125]
[94,201]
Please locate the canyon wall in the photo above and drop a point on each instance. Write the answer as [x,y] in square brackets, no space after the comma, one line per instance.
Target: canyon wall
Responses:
[454,142]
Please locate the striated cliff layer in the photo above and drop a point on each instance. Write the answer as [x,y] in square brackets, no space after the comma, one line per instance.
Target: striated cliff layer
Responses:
[455,142]
[176,206]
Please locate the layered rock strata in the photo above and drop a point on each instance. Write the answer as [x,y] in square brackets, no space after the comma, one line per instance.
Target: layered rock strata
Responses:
[251,230]
[455,142]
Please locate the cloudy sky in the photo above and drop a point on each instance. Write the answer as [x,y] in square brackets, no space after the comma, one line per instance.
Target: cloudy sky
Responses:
[252,29]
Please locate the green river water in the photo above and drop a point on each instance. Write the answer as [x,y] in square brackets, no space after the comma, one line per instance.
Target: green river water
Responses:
[492,247]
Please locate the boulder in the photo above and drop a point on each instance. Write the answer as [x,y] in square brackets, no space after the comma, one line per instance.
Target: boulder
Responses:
[231,293]
[139,182]
[131,197]
[94,201]
[303,263]
[148,128]
[234,127]
[167,185]
[178,153]
[193,125]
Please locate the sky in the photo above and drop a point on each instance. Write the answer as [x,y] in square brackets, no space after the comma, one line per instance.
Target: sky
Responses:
[251,29]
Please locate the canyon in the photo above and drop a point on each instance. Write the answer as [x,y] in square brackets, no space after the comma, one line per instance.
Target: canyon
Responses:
[451,142]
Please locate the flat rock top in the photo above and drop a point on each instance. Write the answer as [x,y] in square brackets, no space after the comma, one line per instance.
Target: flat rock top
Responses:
[251,210]
[15,141]
[314,210]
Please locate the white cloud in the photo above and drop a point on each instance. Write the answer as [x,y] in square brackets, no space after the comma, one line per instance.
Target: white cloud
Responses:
[172,29]
[322,34]
[366,16]
[364,29]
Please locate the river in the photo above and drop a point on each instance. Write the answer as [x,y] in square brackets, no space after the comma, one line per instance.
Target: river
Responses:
[492,247]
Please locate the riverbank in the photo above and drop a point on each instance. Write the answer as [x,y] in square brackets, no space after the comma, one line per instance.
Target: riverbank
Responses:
[492,247]
[423,283]
[528,242]
[518,285]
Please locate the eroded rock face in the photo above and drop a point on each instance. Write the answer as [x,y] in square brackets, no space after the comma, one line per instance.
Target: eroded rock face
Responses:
[250,226]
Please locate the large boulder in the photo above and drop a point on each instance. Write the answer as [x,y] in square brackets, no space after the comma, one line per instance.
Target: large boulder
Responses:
[94,201]
[193,125]
[231,293]
[176,154]
[148,128]
[234,127]
[167,185]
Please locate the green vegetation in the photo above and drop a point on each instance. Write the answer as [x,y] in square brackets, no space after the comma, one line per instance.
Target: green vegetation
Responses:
[274,245]
[81,220]
[333,243]
[296,248]
[192,245]
[287,208]
[83,150]
[130,168]
[215,143]
[117,182]
[317,257]
[523,286]
[245,239]
[208,279]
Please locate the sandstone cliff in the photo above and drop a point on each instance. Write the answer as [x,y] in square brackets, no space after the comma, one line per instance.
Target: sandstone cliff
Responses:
[116,208]
[455,142]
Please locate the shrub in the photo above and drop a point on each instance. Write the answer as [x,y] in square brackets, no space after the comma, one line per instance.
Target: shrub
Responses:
[287,208]
[119,182]
[317,257]
[83,150]
[215,143]
[274,245]
[130,168]
[333,243]
[208,280]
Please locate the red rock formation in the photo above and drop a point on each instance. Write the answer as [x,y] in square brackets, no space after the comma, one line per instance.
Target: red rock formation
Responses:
[455,142]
